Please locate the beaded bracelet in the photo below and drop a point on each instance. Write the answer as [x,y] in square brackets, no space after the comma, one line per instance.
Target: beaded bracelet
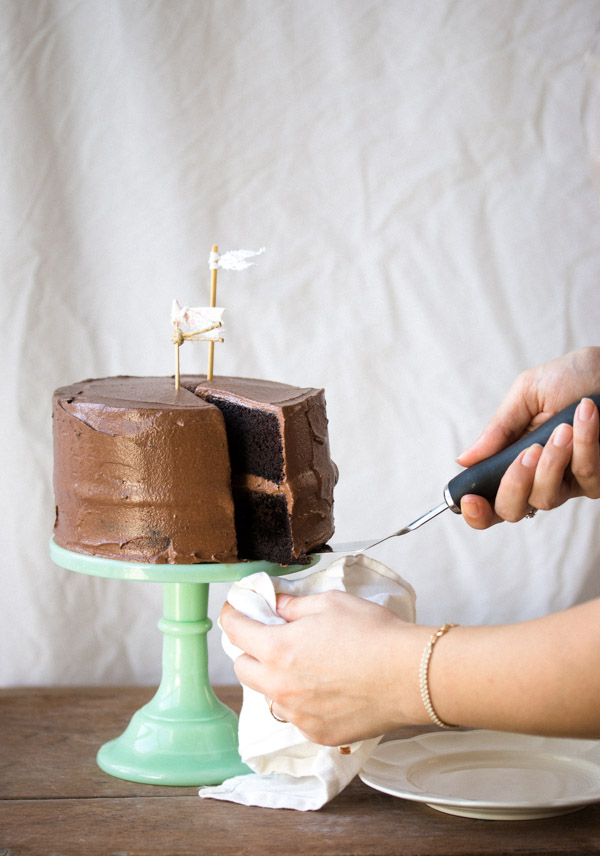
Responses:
[424,675]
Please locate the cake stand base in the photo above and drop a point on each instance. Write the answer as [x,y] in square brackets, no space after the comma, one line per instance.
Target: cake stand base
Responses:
[184,736]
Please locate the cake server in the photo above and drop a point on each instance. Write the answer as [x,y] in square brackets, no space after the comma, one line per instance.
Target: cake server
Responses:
[482,478]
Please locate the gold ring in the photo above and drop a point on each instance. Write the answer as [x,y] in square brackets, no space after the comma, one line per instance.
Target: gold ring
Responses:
[274,715]
[344,750]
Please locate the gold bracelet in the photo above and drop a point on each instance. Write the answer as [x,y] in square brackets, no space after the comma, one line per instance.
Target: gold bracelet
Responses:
[424,675]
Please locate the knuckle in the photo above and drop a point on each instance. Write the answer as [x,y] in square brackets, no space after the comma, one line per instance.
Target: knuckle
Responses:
[510,514]
[333,598]
[239,667]
[585,471]
[230,631]
[280,652]
[545,504]
[277,689]
[284,691]
[592,489]
[280,663]
[543,500]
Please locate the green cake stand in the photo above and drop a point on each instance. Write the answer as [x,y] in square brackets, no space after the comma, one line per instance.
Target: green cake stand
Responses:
[184,735]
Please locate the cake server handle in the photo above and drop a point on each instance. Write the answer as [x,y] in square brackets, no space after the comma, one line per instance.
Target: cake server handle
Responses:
[482,478]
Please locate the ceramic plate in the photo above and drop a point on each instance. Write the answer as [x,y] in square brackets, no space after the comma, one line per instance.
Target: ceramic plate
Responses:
[488,774]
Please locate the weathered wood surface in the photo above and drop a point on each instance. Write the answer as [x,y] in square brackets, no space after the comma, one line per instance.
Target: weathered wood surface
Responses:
[54,801]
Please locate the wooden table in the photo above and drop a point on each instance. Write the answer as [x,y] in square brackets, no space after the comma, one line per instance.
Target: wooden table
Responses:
[55,801]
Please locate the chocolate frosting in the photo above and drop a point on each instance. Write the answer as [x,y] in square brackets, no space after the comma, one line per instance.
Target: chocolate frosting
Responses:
[142,471]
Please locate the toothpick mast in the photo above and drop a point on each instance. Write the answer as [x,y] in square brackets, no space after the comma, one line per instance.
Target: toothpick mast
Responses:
[205,323]
[177,340]
[213,302]
[176,362]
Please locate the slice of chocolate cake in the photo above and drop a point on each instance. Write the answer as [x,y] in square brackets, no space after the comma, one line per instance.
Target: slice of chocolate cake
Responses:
[282,473]
[145,473]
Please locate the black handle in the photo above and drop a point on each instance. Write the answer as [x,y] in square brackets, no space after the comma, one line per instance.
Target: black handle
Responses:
[483,478]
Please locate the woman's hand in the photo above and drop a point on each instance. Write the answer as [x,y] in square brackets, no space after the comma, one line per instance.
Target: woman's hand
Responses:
[344,669]
[569,463]
[341,669]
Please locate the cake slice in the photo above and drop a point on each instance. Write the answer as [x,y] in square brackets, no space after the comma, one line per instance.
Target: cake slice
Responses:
[282,473]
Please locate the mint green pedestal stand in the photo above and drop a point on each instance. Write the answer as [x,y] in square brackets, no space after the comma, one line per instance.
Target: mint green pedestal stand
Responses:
[184,735]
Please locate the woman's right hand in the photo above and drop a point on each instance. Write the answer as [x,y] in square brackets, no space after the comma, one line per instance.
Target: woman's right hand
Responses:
[567,466]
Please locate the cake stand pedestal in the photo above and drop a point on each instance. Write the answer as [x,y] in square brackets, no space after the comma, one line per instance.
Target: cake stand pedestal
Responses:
[184,735]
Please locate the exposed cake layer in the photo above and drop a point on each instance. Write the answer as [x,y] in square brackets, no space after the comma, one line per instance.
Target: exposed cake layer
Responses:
[283,475]
[141,473]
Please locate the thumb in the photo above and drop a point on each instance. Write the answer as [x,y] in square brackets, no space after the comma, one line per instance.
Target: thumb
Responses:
[492,439]
[281,602]
[523,408]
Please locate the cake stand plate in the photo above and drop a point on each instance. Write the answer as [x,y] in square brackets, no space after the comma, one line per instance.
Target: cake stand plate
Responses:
[184,735]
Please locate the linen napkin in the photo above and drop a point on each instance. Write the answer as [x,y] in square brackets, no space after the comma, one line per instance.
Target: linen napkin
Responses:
[289,770]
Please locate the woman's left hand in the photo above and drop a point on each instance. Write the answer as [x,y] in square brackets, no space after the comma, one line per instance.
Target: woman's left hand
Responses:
[341,668]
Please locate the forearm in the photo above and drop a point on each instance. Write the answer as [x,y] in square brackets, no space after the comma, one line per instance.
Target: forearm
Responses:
[539,677]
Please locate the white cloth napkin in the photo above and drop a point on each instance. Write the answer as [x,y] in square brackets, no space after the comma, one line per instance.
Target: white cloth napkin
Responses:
[289,770]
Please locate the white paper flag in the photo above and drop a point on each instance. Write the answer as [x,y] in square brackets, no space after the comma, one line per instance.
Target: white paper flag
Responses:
[233,259]
[198,323]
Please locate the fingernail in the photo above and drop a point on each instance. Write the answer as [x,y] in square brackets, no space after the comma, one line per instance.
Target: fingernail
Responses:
[531,456]
[562,435]
[585,410]
[470,506]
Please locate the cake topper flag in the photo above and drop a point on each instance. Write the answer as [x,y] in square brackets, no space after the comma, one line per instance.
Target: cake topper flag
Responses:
[232,260]
[195,324]
[204,323]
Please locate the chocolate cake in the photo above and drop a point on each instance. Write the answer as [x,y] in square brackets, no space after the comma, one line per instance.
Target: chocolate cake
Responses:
[219,471]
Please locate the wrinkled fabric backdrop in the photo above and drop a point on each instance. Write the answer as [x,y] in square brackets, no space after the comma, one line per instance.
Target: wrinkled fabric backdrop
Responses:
[419,175]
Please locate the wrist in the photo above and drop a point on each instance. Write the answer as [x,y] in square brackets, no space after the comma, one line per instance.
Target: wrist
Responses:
[424,688]
[406,703]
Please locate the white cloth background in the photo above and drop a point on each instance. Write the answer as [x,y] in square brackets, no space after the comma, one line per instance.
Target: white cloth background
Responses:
[418,174]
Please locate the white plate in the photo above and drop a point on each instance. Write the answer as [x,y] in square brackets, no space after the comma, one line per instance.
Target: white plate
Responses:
[488,774]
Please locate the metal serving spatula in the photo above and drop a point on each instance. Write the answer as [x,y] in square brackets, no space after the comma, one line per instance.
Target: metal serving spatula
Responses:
[482,479]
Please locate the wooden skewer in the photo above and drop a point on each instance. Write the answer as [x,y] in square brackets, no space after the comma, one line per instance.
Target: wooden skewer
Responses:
[176,366]
[213,302]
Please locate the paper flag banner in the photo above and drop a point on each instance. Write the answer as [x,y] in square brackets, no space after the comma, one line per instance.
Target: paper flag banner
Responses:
[233,259]
[198,323]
